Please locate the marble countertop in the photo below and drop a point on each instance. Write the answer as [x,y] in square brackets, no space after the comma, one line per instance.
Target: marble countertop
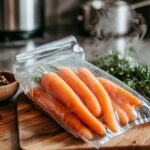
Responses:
[8,51]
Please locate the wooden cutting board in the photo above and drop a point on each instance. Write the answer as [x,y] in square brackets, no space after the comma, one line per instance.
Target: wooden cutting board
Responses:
[8,126]
[39,132]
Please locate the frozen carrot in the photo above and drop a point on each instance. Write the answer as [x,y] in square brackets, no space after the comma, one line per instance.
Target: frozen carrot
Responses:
[122,116]
[56,86]
[116,92]
[78,86]
[59,111]
[104,100]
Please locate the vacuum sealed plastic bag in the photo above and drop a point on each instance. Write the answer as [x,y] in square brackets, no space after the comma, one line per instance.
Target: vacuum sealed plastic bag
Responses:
[83,99]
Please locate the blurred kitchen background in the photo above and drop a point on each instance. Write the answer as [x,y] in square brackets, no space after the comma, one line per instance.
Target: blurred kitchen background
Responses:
[42,21]
[64,12]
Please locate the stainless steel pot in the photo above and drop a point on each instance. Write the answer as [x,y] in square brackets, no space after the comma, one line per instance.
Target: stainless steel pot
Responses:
[20,18]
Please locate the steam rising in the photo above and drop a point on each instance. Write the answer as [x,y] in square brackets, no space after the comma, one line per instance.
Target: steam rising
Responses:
[119,28]
[113,21]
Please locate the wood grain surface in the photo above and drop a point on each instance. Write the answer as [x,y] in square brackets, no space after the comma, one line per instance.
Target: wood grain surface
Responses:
[8,126]
[37,131]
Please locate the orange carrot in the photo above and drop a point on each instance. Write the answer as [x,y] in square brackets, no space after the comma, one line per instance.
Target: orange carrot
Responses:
[116,92]
[122,116]
[81,90]
[59,111]
[105,102]
[122,97]
[130,112]
[128,109]
[56,86]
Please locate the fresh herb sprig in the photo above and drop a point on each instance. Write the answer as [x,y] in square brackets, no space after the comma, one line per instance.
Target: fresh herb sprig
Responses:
[127,70]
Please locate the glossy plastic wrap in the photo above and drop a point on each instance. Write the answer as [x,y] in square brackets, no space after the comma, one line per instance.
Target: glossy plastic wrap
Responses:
[32,66]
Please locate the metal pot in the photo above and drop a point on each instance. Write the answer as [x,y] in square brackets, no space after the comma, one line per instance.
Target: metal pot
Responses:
[20,18]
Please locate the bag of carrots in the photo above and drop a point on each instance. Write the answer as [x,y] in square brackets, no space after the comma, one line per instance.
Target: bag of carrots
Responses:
[86,101]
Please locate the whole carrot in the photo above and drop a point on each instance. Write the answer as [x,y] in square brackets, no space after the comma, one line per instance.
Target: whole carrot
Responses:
[122,116]
[56,86]
[116,92]
[81,90]
[104,100]
[59,111]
